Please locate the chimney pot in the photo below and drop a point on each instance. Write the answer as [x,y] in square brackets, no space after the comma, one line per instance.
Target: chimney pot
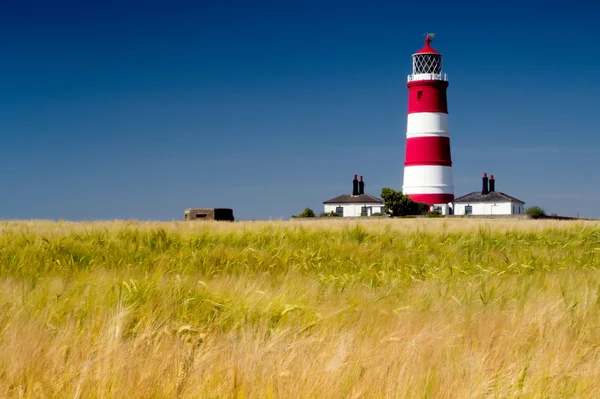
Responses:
[484,185]
[355,186]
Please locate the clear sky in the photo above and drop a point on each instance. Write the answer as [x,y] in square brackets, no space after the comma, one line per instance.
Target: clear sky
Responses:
[138,110]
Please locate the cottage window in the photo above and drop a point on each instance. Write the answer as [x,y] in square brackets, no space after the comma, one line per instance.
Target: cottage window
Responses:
[468,210]
[364,211]
[339,210]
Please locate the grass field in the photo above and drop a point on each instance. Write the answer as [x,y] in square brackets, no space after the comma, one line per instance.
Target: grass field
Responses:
[331,309]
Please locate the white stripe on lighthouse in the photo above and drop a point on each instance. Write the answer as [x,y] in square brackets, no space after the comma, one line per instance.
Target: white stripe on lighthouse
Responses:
[423,179]
[421,124]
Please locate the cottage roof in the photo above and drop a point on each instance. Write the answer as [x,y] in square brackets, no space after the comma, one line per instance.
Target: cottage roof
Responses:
[494,196]
[354,199]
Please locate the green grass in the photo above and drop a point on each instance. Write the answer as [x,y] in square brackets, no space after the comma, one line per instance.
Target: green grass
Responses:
[400,308]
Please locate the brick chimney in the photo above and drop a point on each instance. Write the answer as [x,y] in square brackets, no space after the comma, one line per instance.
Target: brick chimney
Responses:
[484,186]
[355,186]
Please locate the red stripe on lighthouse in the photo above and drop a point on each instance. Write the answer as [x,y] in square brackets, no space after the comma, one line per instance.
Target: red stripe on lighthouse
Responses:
[428,150]
[432,198]
[427,96]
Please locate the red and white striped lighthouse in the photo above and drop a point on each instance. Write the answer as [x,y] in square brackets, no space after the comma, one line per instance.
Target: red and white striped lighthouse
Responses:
[428,164]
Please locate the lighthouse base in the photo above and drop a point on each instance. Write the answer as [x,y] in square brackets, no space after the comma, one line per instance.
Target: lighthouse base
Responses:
[432,199]
[437,202]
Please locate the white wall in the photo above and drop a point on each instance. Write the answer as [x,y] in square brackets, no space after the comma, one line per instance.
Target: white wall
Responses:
[490,208]
[354,209]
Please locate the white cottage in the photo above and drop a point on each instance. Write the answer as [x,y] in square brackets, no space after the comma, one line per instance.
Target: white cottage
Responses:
[356,204]
[488,201]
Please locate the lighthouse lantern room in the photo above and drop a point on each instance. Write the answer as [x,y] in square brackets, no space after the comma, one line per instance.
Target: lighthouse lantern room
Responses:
[428,163]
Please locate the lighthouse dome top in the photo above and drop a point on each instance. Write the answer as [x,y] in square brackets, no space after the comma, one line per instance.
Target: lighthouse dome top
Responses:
[427,63]
[427,49]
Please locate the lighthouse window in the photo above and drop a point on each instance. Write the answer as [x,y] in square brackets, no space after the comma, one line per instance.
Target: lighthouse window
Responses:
[427,63]
[419,95]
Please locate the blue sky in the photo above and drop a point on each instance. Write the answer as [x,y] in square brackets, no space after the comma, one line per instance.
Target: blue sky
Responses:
[138,110]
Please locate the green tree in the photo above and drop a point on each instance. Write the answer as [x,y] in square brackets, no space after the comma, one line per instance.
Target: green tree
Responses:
[398,204]
[391,201]
[535,211]
[307,213]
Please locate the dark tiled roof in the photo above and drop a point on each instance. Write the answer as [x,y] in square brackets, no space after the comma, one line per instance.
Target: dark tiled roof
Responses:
[494,196]
[354,199]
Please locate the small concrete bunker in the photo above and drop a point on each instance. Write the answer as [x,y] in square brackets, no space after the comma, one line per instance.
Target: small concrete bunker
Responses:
[225,214]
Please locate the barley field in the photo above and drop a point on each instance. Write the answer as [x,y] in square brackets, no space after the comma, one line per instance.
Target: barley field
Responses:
[413,308]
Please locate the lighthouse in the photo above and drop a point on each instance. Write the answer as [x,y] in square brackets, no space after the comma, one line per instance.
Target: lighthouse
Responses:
[428,164]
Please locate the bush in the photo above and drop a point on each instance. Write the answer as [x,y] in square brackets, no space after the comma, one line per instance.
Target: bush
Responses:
[423,209]
[331,214]
[434,214]
[378,214]
[535,211]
